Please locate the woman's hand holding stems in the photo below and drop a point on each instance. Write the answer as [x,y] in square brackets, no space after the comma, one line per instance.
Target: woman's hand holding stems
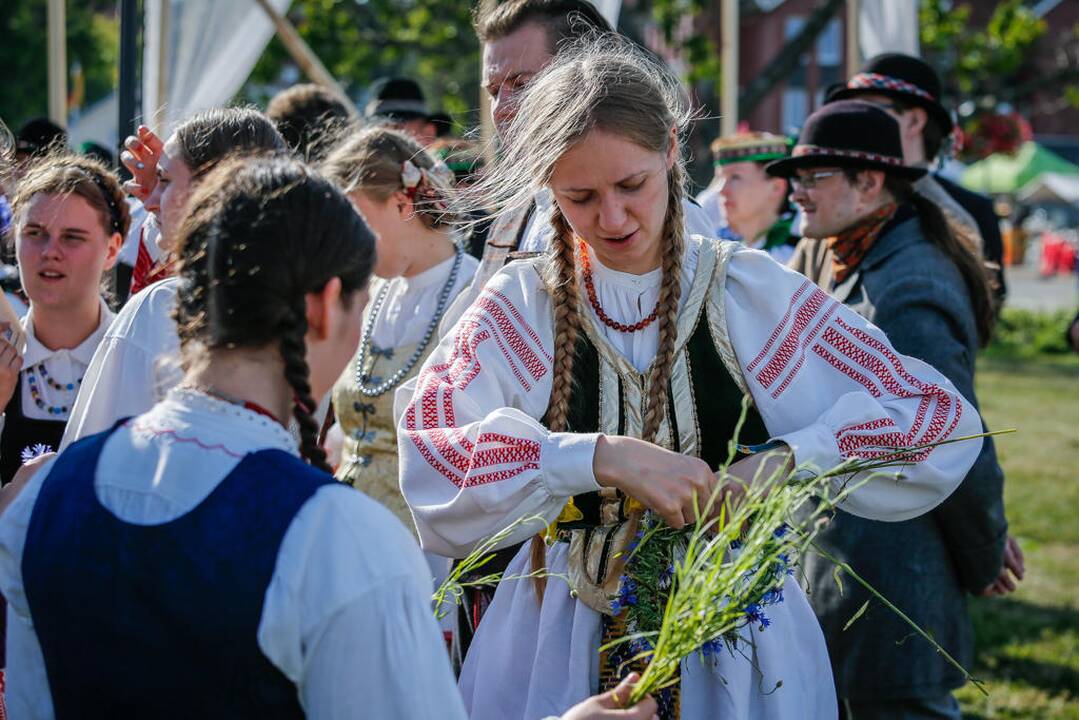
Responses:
[675,485]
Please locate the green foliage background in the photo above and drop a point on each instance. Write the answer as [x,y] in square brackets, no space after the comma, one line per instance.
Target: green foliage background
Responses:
[93,41]
[360,41]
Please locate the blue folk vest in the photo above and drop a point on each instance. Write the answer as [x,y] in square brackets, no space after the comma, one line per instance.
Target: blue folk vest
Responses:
[161,620]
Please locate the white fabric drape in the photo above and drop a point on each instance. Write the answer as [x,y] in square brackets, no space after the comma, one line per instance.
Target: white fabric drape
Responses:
[211,48]
[888,26]
[609,9]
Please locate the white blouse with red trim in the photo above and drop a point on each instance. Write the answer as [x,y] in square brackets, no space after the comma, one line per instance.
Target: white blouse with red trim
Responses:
[474,455]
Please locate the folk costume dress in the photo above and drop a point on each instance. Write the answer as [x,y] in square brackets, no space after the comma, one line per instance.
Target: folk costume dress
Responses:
[49,382]
[188,563]
[475,457]
[393,341]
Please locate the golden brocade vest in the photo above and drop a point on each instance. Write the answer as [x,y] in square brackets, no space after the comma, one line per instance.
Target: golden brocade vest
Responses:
[369,453]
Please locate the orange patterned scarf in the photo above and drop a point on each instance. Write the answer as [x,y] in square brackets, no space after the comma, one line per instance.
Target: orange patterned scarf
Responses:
[851,245]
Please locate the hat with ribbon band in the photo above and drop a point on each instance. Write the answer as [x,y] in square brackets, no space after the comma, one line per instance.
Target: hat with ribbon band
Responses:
[903,77]
[750,147]
[848,133]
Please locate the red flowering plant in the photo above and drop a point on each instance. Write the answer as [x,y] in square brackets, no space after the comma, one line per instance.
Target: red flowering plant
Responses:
[993,132]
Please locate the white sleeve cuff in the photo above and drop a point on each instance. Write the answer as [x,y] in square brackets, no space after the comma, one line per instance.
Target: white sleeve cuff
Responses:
[566,459]
[814,447]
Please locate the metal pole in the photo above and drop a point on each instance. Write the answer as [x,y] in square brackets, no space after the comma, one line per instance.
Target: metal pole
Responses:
[728,110]
[57,64]
[161,87]
[303,55]
[129,69]
[487,123]
[854,51]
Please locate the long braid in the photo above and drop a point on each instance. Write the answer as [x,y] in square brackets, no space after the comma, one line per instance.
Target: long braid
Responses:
[567,322]
[567,325]
[669,296]
[294,353]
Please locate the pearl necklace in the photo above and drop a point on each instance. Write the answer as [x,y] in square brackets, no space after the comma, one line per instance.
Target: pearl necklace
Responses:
[365,341]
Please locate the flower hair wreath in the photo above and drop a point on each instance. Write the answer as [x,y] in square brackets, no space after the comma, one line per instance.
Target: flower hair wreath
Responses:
[427,186]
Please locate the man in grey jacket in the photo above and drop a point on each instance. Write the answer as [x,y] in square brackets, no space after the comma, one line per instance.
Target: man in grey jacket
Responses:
[894,260]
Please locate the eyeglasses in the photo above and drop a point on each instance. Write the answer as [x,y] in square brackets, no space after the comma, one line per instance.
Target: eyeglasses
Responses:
[808,182]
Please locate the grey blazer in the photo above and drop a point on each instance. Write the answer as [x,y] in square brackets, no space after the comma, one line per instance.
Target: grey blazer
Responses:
[915,294]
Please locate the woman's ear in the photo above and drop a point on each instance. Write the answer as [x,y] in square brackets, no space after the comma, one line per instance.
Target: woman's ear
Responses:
[320,306]
[406,209]
[672,148]
[112,250]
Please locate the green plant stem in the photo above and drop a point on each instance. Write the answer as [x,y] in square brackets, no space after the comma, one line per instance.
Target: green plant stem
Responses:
[888,604]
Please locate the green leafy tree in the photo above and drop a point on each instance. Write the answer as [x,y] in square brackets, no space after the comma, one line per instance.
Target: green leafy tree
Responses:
[93,45]
[431,41]
[994,64]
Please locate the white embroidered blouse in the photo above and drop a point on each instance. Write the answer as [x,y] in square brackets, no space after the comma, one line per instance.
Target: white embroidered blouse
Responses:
[475,456]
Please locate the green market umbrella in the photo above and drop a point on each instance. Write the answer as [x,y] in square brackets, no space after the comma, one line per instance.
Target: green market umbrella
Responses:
[1001,173]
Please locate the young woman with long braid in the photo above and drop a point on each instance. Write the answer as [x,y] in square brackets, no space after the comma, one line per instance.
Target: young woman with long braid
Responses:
[613,369]
[191,561]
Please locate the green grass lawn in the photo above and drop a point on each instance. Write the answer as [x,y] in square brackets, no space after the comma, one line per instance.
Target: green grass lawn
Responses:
[1028,643]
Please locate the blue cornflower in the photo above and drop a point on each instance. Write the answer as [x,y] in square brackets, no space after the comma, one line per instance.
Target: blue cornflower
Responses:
[712,647]
[755,615]
[772,597]
[667,574]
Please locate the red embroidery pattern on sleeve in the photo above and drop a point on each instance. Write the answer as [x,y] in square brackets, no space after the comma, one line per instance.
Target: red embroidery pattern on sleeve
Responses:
[856,351]
[799,332]
[433,430]
[779,328]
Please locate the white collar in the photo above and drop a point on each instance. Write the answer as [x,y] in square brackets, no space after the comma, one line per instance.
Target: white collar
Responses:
[606,275]
[188,415]
[434,275]
[37,353]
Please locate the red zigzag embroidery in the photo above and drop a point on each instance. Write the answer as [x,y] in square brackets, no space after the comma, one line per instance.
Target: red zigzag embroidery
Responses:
[862,358]
[446,448]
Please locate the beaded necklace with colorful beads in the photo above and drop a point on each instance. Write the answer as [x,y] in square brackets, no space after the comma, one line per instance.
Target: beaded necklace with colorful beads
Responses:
[35,391]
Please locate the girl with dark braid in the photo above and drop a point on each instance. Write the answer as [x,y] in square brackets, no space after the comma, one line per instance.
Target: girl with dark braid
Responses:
[192,561]
[605,379]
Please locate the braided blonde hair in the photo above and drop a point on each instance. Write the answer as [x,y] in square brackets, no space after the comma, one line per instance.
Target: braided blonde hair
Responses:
[604,84]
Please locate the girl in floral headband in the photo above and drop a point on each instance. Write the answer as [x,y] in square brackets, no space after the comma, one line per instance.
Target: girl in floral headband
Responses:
[402,192]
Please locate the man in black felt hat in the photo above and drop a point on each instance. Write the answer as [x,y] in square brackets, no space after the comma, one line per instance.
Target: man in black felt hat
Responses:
[401,103]
[894,259]
[910,90]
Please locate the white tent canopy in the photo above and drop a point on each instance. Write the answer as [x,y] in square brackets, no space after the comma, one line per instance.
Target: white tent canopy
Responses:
[1051,187]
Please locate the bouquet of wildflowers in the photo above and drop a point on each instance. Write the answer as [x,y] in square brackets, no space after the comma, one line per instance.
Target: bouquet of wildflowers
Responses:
[692,590]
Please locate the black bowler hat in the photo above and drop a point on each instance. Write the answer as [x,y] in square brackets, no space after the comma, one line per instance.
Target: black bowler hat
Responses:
[848,133]
[903,77]
[397,99]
